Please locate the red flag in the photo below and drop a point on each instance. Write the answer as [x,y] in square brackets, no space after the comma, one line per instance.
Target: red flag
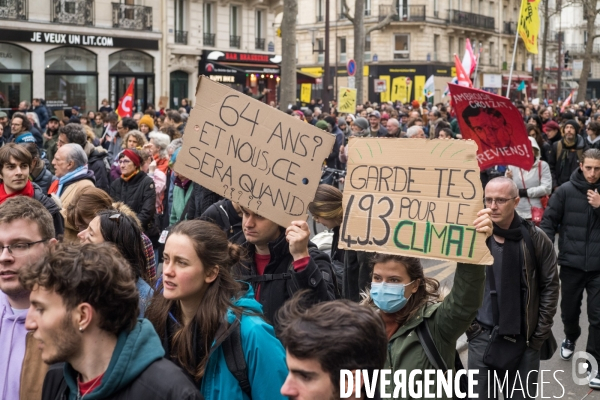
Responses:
[461,75]
[566,103]
[126,102]
[495,124]
[469,61]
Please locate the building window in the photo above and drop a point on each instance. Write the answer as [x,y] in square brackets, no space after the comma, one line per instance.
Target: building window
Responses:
[179,15]
[235,18]
[342,47]
[209,9]
[320,11]
[367,8]
[260,29]
[461,46]
[71,78]
[15,75]
[401,46]
[402,9]
[450,49]
[436,47]
[319,48]
[367,48]
[125,66]
[491,53]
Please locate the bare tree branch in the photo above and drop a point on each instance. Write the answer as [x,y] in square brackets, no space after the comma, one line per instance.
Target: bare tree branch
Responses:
[385,22]
[345,12]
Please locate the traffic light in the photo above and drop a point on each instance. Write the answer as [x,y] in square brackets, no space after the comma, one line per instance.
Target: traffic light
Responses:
[567,59]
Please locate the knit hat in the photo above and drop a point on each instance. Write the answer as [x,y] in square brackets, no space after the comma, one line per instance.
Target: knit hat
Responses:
[330,120]
[341,121]
[322,125]
[147,120]
[551,125]
[362,123]
[573,123]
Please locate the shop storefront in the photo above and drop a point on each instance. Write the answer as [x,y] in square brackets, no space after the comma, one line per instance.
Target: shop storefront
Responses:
[128,65]
[71,78]
[74,69]
[239,70]
[15,76]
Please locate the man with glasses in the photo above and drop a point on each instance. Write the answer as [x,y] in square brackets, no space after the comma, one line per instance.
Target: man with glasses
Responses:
[574,212]
[520,298]
[26,229]
[20,128]
[71,168]
[123,127]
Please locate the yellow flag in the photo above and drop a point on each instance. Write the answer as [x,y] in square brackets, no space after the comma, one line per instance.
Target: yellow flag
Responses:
[305,92]
[529,24]
[347,100]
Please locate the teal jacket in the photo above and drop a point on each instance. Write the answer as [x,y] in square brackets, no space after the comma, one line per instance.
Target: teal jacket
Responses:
[135,351]
[180,199]
[264,354]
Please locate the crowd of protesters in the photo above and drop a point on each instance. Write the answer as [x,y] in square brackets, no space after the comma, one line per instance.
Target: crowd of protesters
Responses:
[121,278]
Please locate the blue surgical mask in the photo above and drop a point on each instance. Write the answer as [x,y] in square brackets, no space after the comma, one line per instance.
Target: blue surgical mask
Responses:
[389,297]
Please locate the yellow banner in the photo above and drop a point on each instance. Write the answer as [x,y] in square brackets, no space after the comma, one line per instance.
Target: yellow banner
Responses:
[305,92]
[347,100]
[529,24]
[419,88]
[385,96]
[401,89]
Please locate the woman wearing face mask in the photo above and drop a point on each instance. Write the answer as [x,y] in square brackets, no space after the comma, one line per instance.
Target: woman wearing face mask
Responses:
[121,230]
[198,308]
[406,298]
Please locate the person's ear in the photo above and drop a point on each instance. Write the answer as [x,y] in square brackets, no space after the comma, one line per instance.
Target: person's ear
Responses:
[82,315]
[212,274]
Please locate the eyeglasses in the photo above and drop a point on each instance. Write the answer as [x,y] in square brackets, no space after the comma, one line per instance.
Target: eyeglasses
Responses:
[124,161]
[18,249]
[499,201]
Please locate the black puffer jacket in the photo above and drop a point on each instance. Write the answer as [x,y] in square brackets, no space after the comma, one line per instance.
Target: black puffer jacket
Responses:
[279,281]
[564,162]
[96,164]
[44,179]
[139,194]
[53,208]
[577,223]
[199,201]
[223,214]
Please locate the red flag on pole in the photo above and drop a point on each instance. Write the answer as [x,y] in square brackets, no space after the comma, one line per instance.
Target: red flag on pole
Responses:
[566,102]
[495,124]
[461,75]
[126,102]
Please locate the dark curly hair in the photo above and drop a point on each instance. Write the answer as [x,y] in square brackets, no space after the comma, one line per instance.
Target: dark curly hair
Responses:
[89,273]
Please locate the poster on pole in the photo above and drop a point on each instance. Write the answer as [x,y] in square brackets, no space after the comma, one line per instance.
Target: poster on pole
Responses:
[347,100]
[529,24]
[495,124]
[253,154]
[414,197]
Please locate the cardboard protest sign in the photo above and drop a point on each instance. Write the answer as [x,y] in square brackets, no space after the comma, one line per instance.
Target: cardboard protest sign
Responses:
[414,197]
[495,124]
[347,100]
[251,153]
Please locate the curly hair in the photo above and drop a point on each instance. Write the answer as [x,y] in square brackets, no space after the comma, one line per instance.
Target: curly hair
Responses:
[88,273]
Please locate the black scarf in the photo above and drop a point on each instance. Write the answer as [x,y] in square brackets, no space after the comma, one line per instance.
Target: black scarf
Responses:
[512,264]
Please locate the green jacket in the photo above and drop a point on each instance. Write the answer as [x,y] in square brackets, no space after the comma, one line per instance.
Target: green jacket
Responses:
[180,199]
[51,147]
[447,320]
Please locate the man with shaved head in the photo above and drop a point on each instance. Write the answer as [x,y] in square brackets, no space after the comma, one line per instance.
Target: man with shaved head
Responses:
[520,298]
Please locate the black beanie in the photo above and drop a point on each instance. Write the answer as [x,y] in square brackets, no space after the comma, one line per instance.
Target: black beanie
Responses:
[574,124]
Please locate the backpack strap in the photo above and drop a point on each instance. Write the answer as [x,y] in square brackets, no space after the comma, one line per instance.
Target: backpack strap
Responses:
[234,357]
[431,351]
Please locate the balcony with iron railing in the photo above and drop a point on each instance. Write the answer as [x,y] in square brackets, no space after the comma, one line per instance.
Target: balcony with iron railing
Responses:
[208,39]
[134,17]
[403,14]
[510,28]
[467,19]
[73,12]
[234,41]
[181,37]
[13,9]
[259,43]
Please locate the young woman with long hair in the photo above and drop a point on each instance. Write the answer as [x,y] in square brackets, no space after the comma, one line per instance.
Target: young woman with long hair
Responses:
[124,232]
[198,308]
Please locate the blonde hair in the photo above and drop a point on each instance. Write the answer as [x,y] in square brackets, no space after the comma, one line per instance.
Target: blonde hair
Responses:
[327,204]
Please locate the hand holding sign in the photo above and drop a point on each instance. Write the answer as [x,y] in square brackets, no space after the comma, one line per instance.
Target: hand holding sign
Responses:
[246,151]
[418,197]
